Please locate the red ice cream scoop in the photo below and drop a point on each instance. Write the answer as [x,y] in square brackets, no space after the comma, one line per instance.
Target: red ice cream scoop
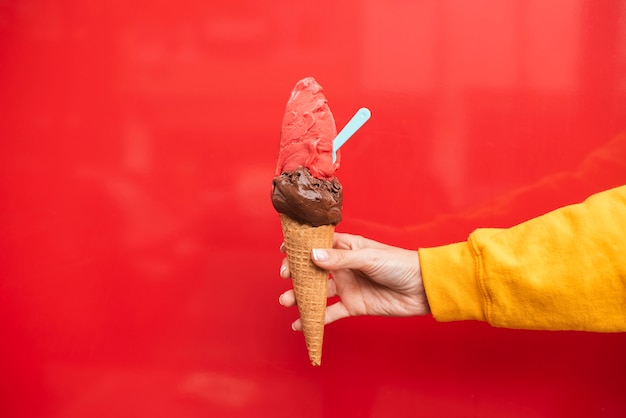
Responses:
[307,133]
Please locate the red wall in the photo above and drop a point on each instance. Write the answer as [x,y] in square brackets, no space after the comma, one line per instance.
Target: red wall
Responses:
[139,249]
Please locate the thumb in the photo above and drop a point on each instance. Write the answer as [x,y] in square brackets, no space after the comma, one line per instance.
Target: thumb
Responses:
[333,259]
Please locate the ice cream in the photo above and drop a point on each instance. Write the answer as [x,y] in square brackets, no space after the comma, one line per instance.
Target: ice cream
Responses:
[308,130]
[308,197]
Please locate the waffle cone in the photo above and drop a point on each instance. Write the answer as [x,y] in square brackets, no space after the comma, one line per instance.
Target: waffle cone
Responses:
[309,281]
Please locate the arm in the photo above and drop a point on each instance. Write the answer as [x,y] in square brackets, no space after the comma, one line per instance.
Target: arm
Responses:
[565,270]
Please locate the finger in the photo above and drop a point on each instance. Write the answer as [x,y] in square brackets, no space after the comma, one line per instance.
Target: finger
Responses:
[283,249]
[284,269]
[335,312]
[332,260]
[354,242]
[297,325]
[287,299]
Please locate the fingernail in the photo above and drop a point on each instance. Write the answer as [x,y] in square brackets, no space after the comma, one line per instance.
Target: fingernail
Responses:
[282,247]
[280,299]
[282,270]
[293,326]
[319,254]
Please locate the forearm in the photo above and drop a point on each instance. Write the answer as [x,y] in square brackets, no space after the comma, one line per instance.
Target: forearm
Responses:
[563,270]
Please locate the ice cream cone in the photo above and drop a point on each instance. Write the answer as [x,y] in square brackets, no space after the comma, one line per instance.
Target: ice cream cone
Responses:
[309,281]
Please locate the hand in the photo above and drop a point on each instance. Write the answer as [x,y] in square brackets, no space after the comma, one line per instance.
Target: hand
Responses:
[370,278]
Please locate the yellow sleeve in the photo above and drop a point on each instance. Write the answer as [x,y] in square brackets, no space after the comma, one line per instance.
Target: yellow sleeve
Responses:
[565,270]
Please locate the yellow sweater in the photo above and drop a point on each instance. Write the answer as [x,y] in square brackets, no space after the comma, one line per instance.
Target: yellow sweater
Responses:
[565,270]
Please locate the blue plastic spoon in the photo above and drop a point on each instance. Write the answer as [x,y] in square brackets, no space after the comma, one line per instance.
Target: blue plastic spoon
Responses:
[359,118]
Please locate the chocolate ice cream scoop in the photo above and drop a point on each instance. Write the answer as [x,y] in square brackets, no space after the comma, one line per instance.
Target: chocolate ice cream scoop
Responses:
[308,199]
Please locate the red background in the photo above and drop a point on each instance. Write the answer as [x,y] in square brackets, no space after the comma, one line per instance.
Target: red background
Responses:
[139,249]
